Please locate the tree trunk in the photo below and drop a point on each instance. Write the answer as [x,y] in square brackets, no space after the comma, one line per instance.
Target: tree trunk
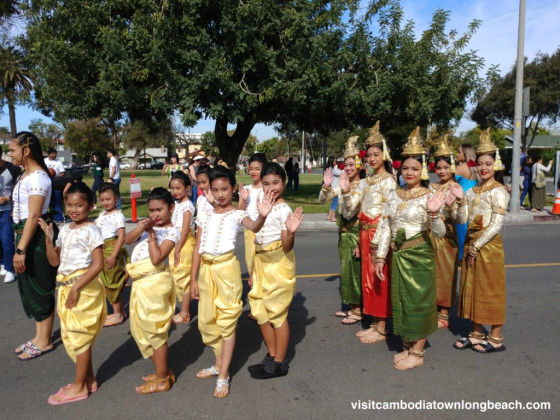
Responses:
[12,112]
[136,158]
[230,147]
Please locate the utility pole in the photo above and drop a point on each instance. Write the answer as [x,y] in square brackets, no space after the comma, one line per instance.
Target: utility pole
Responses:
[302,166]
[518,112]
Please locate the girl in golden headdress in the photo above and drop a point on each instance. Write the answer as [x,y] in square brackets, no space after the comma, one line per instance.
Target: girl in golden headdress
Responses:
[446,248]
[408,215]
[81,295]
[273,276]
[482,294]
[349,233]
[372,195]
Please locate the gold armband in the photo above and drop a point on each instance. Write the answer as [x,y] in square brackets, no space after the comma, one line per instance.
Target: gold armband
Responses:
[499,210]
[462,201]
[379,260]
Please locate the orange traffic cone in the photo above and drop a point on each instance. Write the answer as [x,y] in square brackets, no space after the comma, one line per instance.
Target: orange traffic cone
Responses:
[556,207]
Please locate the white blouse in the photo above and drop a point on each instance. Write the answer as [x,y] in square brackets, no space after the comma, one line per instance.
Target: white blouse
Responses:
[219,231]
[202,205]
[179,212]
[255,195]
[110,223]
[141,251]
[274,225]
[76,246]
[36,183]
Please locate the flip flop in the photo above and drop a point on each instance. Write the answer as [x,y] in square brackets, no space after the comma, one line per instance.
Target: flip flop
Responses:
[33,351]
[220,384]
[466,343]
[207,373]
[488,348]
[22,347]
[184,319]
[342,314]
[65,399]
[351,321]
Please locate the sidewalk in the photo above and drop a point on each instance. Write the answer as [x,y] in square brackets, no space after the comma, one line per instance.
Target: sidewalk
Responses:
[318,221]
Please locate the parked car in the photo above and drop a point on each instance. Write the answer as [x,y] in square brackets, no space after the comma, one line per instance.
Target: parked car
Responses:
[156,165]
[124,166]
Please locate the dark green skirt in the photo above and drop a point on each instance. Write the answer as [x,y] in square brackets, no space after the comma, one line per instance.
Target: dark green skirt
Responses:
[413,287]
[350,267]
[37,284]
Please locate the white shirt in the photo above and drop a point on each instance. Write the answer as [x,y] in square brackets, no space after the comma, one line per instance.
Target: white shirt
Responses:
[110,223]
[141,250]
[539,167]
[274,225]
[76,246]
[36,183]
[179,212]
[255,195]
[113,163]
[219,231]
[202,205]
[56,164]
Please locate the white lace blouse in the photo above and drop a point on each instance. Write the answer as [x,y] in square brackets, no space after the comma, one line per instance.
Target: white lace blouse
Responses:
[76,246]
[110,223]
[179,211]
[36,183]
[141,250]
[219,231]
[274,225]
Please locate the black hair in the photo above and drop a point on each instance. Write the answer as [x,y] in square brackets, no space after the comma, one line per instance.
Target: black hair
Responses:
[109,186]
[446,159]
[181,176]
[387,164]
[498,175]
[424,182]
[221,172]
[112,151]
[30,140]
[258,157]
[51,150]
[160,193]
[273,168]
[173,155]
[76,177]
[331,162]
[203,170]
[81,188]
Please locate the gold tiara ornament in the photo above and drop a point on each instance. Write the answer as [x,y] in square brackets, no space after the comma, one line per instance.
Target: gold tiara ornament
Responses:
[413,146]
[376,139]
[351,150]
[443,149]
[487,147]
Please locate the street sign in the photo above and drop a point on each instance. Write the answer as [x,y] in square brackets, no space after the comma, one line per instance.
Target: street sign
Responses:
[135,189]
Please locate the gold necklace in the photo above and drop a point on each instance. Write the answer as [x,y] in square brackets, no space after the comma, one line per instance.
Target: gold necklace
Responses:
[407,195]
[480,189]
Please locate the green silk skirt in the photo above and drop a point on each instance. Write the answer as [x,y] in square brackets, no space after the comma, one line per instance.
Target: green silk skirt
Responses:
[350,267]
[115,278]
[37,284]
[413,287]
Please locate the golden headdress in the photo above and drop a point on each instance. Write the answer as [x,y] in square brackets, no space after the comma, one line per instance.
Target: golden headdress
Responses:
[443,149]
[376,139]
[415,148]
[487,147]
[351,149]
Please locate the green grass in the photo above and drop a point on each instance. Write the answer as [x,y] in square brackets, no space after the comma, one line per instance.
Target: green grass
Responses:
[306,197]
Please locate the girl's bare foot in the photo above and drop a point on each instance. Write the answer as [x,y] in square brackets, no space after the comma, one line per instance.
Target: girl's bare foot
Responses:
[114,319]
[410,361]
[374,336]
[208,373]
[181,318]
[364,332]
[399,356]
[222,388]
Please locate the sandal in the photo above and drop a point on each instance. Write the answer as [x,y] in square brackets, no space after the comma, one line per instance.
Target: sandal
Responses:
[382,336]
[152,386]
[443,321]
[220,384]
[466,343]
[207,373]
[22,348]
[152,377]
[342,314]
[32,352]
[183,319]
[418,354]
[489,348]
[65,399]
[353,317]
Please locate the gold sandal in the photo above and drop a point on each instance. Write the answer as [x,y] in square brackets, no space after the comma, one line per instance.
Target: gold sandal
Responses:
[152,386]
[152,377]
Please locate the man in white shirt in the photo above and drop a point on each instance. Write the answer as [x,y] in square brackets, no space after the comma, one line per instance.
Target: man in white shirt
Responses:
[114,173]
[52,162]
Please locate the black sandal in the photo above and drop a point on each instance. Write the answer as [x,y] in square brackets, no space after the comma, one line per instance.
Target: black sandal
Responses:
[489,348]
[466,343]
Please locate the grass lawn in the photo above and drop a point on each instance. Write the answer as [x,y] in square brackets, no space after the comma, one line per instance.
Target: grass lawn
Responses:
[306,196]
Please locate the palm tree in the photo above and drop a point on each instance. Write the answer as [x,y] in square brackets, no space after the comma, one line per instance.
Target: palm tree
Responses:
[15,77]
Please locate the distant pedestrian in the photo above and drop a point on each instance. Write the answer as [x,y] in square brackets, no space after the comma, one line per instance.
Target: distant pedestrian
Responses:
[289,168]
[115,173]
[526,174]
[97,177]
[538,177]
[336,171]
[53,164]
[170,168]
[8,176]
[296,176]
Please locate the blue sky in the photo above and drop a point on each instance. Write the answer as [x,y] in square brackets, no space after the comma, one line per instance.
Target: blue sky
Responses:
[495,41]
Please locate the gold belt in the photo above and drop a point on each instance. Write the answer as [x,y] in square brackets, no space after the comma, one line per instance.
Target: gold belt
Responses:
[476,234]
[409,244]
[368,226]
[69,282]
[214,262]
[349,226]
[265,251]
[151,273]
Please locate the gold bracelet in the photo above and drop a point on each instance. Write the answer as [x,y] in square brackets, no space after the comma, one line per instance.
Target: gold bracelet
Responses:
[379,260]
[461,202]
[473,252]
[326,189]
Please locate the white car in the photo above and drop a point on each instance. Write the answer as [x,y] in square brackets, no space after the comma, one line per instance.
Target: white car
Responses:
[124,166]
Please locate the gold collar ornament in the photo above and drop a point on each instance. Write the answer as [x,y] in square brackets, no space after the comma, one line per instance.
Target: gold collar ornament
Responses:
[443,149]
[376,139]
[487,147]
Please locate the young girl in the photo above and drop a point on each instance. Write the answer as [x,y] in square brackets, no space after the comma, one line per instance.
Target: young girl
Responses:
[205,200]
[467,177]
[111,223]
[273,278]
[482,294]
[180,260]
[97,177]
[248,198]
[152,299]
[446,248]
[371,195]
[82,305]
[348,234]
[407,217]
[219,286]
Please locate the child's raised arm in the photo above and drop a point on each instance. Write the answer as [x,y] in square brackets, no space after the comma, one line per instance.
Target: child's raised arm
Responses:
[112,260]
[293,222]
[53,253]
[158,253]
[135,233]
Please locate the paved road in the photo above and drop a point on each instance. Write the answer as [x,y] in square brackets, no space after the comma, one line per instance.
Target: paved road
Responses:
[330,368]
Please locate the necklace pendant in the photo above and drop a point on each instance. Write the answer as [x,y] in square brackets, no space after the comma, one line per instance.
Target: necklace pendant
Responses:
[402,206]
[477,200]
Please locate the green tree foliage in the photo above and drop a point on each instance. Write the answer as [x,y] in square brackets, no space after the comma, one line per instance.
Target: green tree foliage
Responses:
[15,79]
[209,143]
[48,134]
[87,136]
[542,75]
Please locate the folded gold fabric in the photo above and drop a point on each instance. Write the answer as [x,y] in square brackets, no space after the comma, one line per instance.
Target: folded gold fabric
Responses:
[182,273]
